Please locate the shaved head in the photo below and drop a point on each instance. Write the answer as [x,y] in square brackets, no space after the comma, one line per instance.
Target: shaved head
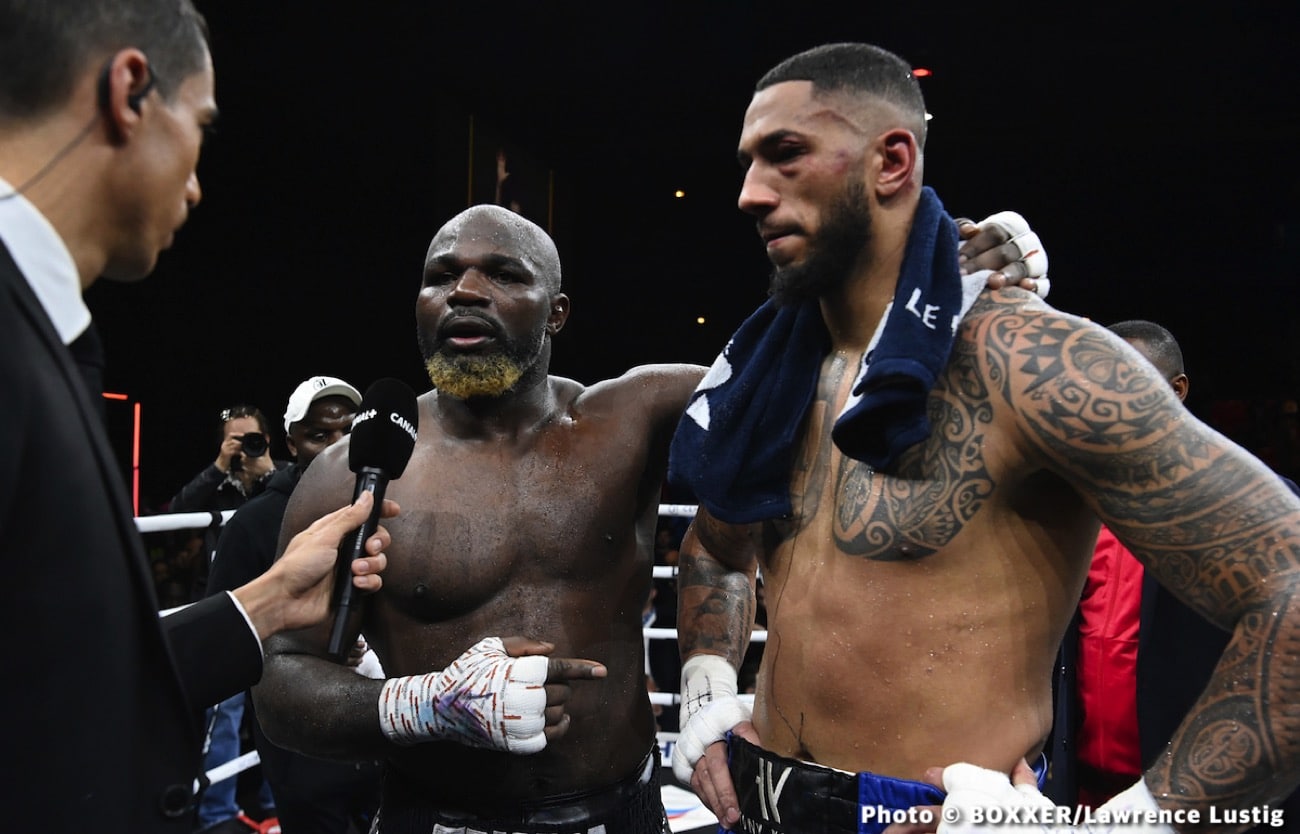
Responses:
[858,73]
[508,230]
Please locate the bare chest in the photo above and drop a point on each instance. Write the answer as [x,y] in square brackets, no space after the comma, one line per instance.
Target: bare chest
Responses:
[482,524]
[936,489]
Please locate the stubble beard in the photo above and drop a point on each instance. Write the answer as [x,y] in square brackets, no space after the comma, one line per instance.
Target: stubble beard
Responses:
[833,253]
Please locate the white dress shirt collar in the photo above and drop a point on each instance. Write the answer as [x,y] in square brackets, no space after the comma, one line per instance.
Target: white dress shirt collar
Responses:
[45,262]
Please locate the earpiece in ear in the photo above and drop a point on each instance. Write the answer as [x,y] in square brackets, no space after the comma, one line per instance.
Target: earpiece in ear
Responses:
[133,100]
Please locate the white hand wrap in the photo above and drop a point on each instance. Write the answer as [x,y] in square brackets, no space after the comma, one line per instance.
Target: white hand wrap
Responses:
[973,791]
[1011,222]
[485,698]
[709,709]
[1029,248]
[1032,254]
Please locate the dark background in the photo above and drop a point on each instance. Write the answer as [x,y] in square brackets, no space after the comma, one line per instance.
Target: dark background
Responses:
[1152,146]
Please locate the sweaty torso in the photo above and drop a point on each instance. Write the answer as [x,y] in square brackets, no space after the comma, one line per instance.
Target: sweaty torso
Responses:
[546,535]
[914,615]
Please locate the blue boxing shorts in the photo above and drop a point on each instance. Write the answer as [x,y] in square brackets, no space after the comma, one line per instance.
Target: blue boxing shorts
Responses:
[778,795]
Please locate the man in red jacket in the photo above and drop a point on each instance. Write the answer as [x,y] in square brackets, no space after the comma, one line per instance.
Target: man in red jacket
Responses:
[1107,743]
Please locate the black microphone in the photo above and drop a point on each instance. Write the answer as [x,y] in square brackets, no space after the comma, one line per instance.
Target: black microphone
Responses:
[383,437]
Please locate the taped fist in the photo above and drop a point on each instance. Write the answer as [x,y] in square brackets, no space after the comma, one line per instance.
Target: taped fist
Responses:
[1004,243]
[500,694]
[980,801]
[710,709]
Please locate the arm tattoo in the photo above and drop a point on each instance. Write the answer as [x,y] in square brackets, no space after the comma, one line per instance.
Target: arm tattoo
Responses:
[1239,741]
[717,608]
[1207,519]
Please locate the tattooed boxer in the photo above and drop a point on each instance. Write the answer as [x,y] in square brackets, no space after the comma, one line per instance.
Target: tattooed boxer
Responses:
[919,472]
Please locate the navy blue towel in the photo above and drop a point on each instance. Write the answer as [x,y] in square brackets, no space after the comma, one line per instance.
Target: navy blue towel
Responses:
[736,442]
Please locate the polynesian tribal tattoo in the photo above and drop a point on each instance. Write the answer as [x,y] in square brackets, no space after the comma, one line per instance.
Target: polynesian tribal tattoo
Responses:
[1209,523]
[936,488]
[722,605]
[939,485]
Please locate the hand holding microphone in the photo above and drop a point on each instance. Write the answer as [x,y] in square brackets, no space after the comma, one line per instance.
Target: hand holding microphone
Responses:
[294,593]
[382,440]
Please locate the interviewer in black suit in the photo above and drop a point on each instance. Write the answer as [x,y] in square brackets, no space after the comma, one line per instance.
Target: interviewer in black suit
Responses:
[102,111]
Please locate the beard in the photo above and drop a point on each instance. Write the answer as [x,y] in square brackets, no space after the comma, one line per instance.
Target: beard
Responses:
[464,377]
[491,374]
[832,254]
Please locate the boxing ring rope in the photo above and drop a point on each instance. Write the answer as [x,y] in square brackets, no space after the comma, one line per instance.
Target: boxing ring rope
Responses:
[180,521]
[189,521]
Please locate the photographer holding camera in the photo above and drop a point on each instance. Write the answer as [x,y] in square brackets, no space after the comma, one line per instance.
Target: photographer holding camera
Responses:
[242,458]
[242,469]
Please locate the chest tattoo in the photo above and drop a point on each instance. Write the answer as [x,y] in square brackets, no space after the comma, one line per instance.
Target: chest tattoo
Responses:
[937,486]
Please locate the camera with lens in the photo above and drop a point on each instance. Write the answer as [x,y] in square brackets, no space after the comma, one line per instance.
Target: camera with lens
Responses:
[254,444]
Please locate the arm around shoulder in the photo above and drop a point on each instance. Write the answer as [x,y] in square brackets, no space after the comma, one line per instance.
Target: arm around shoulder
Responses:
[662,390]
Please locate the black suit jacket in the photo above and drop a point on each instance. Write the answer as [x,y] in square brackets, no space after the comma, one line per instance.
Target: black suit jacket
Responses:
[101,706]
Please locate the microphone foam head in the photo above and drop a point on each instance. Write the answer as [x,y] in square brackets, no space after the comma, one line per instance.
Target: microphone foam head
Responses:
[383,432]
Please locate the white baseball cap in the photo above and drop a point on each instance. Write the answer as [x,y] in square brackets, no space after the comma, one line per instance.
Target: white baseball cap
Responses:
[311,390]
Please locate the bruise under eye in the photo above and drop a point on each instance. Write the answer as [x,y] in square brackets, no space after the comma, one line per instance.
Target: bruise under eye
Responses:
[787,151]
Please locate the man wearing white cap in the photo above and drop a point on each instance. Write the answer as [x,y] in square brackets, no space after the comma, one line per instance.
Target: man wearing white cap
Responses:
[311,795]
[319,414]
